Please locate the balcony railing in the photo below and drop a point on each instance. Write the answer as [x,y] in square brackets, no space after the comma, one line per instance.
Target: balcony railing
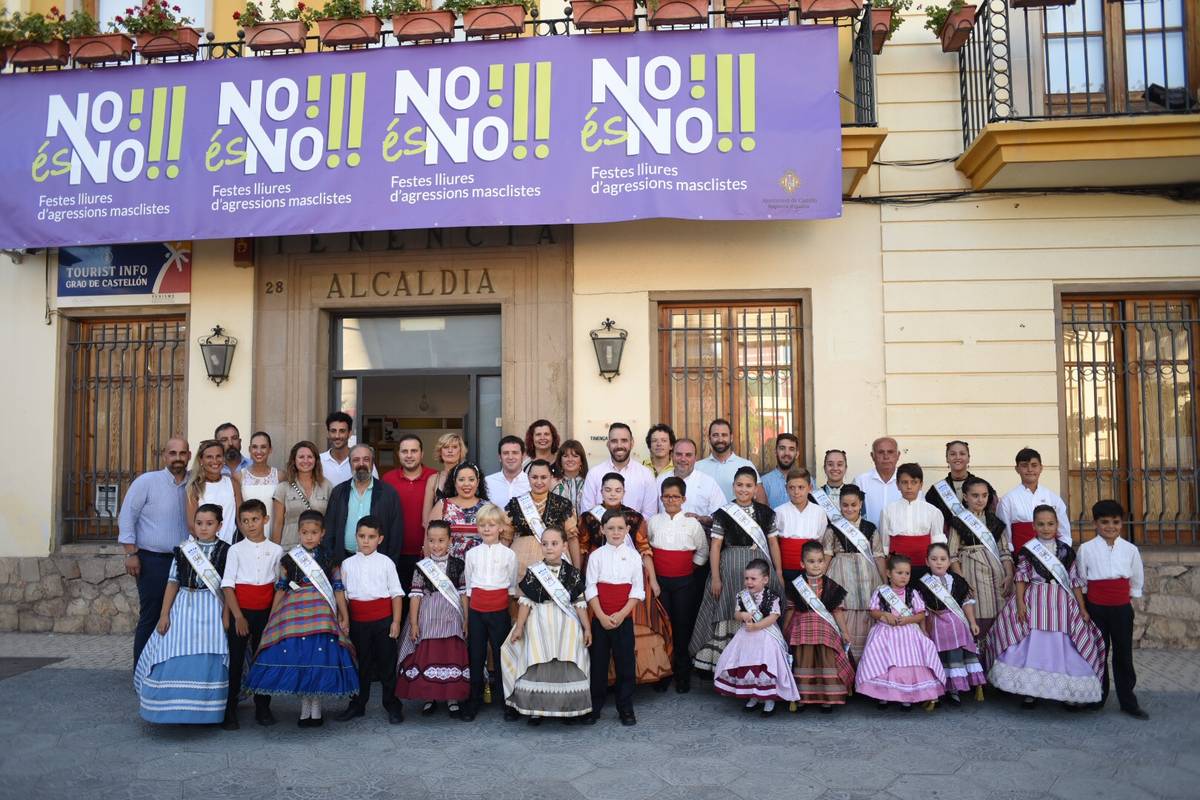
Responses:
[1089,59]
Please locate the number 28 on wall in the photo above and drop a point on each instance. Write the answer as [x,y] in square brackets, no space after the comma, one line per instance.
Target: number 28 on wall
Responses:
[274,287]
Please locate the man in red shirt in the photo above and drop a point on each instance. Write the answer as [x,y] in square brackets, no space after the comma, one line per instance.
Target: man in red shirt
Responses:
[409,480]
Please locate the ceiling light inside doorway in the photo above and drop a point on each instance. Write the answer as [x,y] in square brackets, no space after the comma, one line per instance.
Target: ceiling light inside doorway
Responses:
[415,324]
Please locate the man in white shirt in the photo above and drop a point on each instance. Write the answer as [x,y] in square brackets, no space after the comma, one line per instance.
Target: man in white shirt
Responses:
[703,495]
[641,489]
[879,484]
[909,525]
[335,462]
[1016,508]
[511,481]
[722,463]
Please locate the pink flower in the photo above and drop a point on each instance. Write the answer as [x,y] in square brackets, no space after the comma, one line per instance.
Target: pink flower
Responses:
[176,9]
[237,15]
[120,20]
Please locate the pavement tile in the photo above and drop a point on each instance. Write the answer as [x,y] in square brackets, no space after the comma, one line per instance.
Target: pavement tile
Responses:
[767,785]
[617,783]
[698,771]
[1161,780]
[1079,787]
[183,766]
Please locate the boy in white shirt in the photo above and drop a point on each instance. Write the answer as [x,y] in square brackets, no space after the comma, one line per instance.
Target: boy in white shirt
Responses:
[614,588]
[909,525]
[491,578]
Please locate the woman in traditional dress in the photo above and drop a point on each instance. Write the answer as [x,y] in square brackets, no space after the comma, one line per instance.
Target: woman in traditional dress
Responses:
[466,493]
[855,572]
[988,572]
[303,488]
[958,459]
[736,533]
[570,470]
[543,509]
[823,672]
[182,675]
[207,485]
[544,660]
[450,451]
[260,478]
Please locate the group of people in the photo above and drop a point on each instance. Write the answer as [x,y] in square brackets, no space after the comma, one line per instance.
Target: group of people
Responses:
[547,585]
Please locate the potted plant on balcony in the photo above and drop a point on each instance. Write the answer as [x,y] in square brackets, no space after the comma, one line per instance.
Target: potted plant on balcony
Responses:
[280,30]
[6,36]
[89,46]
[747,10]
[413,22]
[886,19]
[490,17]
[825,9]
[951,23]
[603,14]
[344,23]
[37,40]
[158,30]
[677,12]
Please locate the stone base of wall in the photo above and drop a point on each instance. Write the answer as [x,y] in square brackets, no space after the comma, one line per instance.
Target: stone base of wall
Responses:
[85,592]
[1168,613]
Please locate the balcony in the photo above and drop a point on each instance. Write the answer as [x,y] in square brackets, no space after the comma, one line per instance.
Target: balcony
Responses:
[1093,94]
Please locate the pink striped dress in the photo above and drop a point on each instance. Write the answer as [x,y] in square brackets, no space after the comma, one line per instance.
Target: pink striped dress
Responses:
[899,662]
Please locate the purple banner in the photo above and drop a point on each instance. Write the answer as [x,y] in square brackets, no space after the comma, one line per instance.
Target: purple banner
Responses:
[719,124]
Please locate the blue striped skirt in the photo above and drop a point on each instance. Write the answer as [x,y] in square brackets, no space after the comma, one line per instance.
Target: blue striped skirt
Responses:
[183,677]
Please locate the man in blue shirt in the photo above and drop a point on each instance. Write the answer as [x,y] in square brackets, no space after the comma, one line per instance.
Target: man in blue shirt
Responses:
[722,463]
[773,489]
[152,523]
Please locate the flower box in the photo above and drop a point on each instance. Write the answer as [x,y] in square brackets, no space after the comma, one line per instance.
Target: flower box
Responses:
[599,14]
[177,42]
[494,20]
[347,32]
[747,10]
[281,35]
[423,26]
[957,29]
[23,55]
[826,9]
[679,12]
[105,48]
[3,56]
[881,24]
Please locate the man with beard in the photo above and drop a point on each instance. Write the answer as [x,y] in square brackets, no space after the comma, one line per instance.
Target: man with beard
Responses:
[363,495]
[703,496]
[231,439]
[722,463]
[410,480]
[641,490]
[772,488]
[879,484]
[152,522]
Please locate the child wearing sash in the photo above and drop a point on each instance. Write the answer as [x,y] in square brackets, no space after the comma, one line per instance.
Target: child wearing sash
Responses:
[1044,644]
[248,583]
[614,587]
[797,522]
[900,663]
[987,564]
[739,534]
[545,663]
[815,626]
[909,525]
[755,664]
[490,575]
[376,604]
[182,676]
[852,565]
[433,650]
[531,513]
[305,649]
[950,621]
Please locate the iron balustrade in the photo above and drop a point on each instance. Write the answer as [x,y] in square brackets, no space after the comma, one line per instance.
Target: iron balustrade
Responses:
[1092,58]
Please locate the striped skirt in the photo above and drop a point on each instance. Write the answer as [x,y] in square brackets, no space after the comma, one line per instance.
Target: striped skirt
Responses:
[436,666]
[900,663]
[986,577]
[859,577]
[183,677]
[304,651]
[820,666]
[546,673]
[715,625]
[957,649]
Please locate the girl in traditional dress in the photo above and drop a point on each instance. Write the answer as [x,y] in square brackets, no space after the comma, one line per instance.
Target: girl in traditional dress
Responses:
[182,675]
[852,570]
[899,663]
[739,535]
[570,471]
[305,649]
[823,673]
[950,621]
[467,494]
[651,625]
[755,664]
[544,662]
[433,647]
[988,571]
[1044,644]
[542,509]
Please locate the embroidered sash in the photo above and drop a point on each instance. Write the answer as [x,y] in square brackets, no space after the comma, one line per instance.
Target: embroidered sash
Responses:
[964,515]
[940,591]
[554,588]
[747,601]
[532,517]
[597,511]
[316,576]
[441,582]
[844,526]
[1050,561]
[748,524]
[894,603]
[815,604]
[203,567]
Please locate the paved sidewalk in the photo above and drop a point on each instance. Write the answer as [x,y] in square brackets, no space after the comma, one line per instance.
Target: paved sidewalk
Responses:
[71,731]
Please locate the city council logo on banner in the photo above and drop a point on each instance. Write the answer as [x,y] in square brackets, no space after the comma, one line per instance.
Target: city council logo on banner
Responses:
[158,273]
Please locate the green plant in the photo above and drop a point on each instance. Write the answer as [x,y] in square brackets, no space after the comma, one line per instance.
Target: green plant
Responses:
[390,8]
[898,7]
[253,14]
[79,24]
[936,15]
[6,28]
[341,9]
[460,7]
[156,16]
[37,27]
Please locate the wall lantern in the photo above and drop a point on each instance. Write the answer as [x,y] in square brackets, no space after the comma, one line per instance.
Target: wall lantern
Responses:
[217,349]
[609,342]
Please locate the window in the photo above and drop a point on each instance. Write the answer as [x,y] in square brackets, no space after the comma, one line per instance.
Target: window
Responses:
[108,10]
[740,362]
[125,397]
[1130,385]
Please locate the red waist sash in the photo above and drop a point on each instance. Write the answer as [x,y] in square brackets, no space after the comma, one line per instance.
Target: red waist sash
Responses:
[1108,592]
[254,596]
[915,547]
[370,610]
[1022,532]
[489,599]
[672,563]
[613,596]
[791,552]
